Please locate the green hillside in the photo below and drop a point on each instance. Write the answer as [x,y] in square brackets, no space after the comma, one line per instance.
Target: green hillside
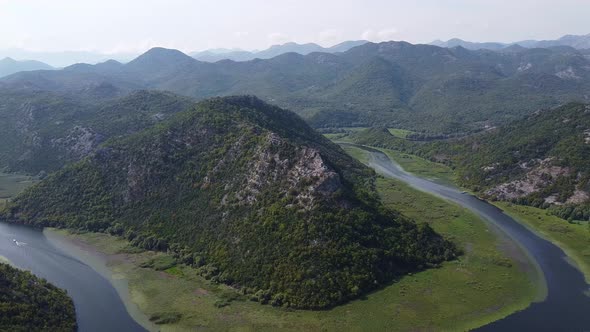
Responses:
[28,303]
[250,194]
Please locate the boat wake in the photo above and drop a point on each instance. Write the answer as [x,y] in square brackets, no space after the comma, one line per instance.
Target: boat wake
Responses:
[19,244]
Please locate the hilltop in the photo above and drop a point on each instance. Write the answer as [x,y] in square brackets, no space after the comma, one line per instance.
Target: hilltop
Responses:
[250,194]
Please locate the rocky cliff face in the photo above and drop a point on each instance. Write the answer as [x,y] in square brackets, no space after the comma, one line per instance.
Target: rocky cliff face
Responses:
[303,174]
[542,177]
[539,175]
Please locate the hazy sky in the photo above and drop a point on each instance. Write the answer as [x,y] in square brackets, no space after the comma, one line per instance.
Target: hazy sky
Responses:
[115,26]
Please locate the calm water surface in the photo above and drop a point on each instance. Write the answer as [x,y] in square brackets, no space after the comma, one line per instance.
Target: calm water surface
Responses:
[98,305]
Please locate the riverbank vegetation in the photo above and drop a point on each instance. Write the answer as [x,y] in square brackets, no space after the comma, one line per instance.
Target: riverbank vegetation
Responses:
[485,284]
[29,303]
[571,237]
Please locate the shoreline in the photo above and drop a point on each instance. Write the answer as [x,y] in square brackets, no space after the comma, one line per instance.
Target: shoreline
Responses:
[139,290]
[512,248]
[99,261]
[572,256]
[109,264]
[172,290]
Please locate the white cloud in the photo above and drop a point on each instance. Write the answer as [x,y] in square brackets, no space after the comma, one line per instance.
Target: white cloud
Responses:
[330,37]
[278,38]
[386,34]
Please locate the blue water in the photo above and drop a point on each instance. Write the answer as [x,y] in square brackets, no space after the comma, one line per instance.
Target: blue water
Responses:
[98,305]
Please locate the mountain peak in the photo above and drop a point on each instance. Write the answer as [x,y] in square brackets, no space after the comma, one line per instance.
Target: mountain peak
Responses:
[160,58]
[163,52]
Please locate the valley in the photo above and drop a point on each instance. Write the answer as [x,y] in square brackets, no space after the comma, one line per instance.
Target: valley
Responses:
[310,166]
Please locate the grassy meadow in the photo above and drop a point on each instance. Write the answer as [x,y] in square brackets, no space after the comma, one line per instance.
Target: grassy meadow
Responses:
[401,133]
[572,238]
[12,184]
[422,167]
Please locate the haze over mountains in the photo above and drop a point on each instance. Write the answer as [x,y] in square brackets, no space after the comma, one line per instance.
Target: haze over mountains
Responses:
[273,51]
[67,58]
[579,42]
[64,58]
[419,87]
[9,66]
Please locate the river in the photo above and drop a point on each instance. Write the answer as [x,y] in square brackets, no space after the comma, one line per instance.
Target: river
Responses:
[566,306]
[98,305]
[100,308]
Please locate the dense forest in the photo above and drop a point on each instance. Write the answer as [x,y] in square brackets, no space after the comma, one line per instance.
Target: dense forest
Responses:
[28,303]
[541,161]
[248,193]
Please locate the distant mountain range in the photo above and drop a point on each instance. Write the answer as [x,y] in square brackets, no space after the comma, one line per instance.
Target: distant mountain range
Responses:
[396,84]
[10,66]
[273,51]
[578,42]
[65,58]
[68,58]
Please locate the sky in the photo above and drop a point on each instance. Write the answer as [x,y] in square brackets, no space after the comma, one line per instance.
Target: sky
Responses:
[134,26]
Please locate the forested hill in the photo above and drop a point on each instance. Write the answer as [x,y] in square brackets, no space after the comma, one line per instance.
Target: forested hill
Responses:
[28,303]
[42,131]
[249,193]
[541,161]
[396,84]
